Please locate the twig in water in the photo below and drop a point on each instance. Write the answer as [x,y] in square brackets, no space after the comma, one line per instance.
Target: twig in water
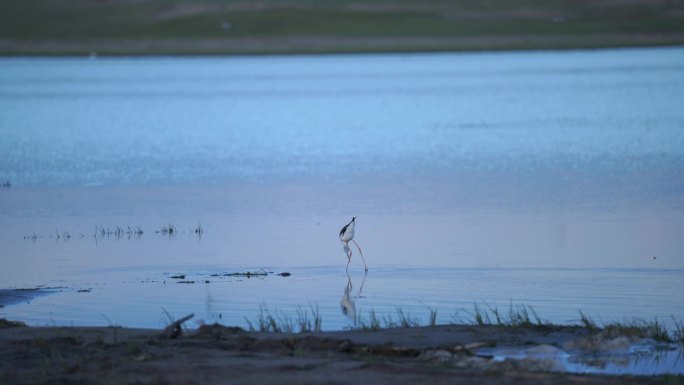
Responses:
[199,230]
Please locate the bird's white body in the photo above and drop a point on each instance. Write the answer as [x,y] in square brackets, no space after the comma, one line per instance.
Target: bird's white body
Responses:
[347,233]
[346,236]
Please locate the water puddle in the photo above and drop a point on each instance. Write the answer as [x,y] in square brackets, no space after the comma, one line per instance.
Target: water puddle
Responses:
[642,358]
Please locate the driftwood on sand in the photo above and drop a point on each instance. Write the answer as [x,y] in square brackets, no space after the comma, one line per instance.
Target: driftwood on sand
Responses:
[174,329]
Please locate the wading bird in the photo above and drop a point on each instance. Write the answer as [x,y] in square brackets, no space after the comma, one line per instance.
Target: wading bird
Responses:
[346,235]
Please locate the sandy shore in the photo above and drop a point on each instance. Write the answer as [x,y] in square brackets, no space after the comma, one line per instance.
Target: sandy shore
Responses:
[217,354]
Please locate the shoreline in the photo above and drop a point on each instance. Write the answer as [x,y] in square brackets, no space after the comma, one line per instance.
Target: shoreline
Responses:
[435,354]
[299,27]
[326,46]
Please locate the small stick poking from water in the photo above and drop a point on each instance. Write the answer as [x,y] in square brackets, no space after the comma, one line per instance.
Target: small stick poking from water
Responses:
[199,231]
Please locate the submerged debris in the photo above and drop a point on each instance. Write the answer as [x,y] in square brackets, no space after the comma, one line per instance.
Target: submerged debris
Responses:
[247,274]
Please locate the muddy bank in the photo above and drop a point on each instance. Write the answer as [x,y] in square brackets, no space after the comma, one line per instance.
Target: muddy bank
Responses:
[213,354]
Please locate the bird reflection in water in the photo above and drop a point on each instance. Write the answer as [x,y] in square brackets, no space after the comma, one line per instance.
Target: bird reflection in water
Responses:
[348,303]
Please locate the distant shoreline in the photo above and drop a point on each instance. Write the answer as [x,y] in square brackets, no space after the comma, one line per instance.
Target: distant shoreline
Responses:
[308,46]
[204,27]
[189,27]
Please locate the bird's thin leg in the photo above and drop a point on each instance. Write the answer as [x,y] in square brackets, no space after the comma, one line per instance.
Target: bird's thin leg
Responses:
[347,252]
[362,282]
[361,252]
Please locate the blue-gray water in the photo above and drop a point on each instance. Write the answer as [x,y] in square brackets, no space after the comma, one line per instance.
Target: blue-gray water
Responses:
[554,179]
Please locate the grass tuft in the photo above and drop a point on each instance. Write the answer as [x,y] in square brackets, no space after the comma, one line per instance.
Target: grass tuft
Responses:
[640,329]
[308,323]
[433,318]
[637,328]
[373,323]
[405,320]
[279,322]
[519,315]
[678,334]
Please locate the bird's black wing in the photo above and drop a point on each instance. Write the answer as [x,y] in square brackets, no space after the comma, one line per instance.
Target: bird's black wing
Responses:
[344,229]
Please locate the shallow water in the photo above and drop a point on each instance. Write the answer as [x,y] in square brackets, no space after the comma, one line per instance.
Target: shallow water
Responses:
[135,296]
[553,179]
[646,359]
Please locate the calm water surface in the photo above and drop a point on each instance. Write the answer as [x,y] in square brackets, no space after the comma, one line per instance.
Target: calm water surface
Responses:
[554,179]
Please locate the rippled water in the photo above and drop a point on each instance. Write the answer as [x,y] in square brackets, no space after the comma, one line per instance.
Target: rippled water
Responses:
[554,179]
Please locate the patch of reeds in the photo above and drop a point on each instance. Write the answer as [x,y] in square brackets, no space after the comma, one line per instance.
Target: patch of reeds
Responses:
[308,323]
[678,334]
[246,274]
[373,323]
[118,232]
[638,328]
[518,315]
[169,230]
[587,322]
[279,322]
[641,329]
[403,319]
